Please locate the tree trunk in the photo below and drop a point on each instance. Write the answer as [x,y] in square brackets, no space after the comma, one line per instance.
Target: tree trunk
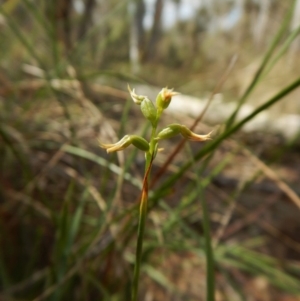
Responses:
[156,30]
[59,12]
[261,21]
[63,13]
[86,19]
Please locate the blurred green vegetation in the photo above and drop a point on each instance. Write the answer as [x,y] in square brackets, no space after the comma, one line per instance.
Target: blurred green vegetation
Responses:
[68,211]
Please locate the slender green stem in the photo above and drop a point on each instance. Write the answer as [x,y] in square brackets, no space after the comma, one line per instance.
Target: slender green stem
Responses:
[139,247]
[143,214]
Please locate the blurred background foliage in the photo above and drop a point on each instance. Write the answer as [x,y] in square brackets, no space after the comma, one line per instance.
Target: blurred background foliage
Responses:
[68,210]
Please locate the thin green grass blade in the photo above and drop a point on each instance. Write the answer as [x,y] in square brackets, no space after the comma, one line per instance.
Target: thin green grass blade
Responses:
[77,219]
[36,12]
[210,261]
[270,269]
[283,49]
[232,283]
[179,224]
[21,37]
[21,158]
[4,273]
[209,147]
[36,249]
[95,282]
[63,241]
[158,277]
[101,161]
[16,30]
[264,63]
[257,264]
[50,30]
[78,49]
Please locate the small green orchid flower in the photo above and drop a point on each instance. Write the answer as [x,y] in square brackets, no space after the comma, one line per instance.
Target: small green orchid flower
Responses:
[175,129]
[127,140]
[137,99]
[164,98]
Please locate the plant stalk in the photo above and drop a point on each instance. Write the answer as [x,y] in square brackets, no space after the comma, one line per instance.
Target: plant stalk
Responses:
[143,214]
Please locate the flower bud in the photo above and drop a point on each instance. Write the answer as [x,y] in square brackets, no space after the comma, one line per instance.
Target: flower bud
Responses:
[140,143]
[137,99]
[168,132]
[137,141]
[149,111]
[164,98]
[175,129]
